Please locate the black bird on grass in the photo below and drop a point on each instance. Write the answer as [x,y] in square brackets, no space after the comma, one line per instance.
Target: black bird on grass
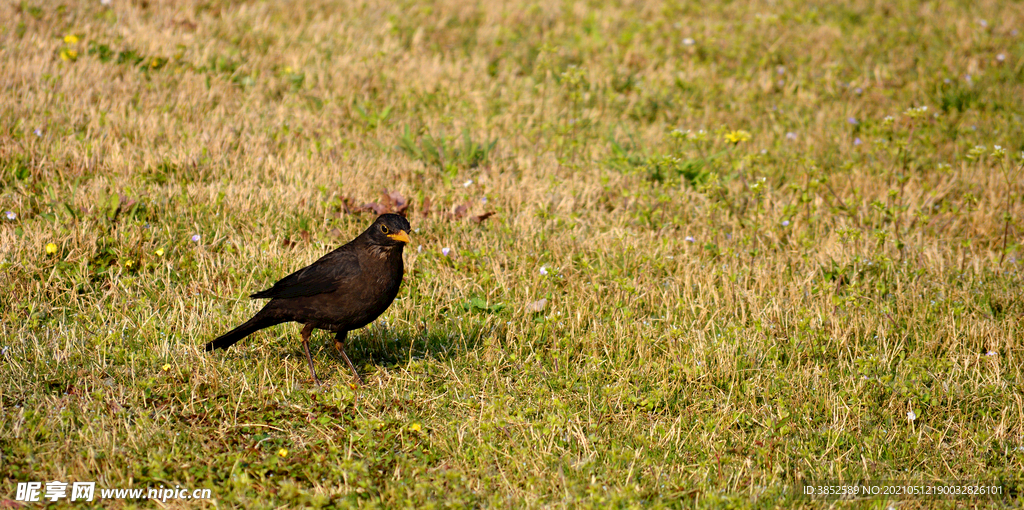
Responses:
[345,290]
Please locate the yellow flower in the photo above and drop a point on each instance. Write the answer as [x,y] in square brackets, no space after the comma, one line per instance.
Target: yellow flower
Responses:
[129,264]
[71,39]
[159,252]
[68,55]
[415,427]
[282,453]
[737,136]
[166,367]
[51,248]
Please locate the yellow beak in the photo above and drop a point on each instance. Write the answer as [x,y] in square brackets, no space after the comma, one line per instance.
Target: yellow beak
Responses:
[401,236]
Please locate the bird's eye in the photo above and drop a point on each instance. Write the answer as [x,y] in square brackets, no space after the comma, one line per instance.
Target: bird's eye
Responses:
[384,229]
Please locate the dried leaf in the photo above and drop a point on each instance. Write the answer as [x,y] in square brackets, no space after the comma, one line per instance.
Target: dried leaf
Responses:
[186,25]
[425,207]
[536,306]
[127,201]
[348,205]
[461,211]
[479,218]
[291,242]
[374,207]
[395,201]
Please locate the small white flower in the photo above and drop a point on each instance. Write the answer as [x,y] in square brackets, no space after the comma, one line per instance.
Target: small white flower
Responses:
[196,238]
[1000,57]
[445,251]
[38,132]
[790,136]
[419,249]
[911,415]
[688,42]
[11,215]
[990,353]
[785,223]
[544,270]
[467,183]
[689,239]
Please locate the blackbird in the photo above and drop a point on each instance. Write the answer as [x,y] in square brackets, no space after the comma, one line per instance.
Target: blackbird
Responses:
[344,290]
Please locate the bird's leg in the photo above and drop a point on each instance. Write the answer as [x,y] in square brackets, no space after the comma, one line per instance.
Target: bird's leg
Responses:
[306,331]
[339,343]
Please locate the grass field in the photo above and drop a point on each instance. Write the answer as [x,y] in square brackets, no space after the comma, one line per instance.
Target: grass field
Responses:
[735,247]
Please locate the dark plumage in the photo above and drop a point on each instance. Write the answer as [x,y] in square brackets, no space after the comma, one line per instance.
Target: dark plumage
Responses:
[344,290]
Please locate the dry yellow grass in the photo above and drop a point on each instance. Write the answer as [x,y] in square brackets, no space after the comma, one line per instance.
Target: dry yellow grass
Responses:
[723,320]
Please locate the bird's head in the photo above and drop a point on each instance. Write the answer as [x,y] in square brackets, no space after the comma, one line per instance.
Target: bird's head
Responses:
[389,230]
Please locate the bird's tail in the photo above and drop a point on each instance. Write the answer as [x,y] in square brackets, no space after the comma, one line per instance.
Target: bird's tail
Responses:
[258,322]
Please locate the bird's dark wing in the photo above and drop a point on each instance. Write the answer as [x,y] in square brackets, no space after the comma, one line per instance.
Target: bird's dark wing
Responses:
[332,271]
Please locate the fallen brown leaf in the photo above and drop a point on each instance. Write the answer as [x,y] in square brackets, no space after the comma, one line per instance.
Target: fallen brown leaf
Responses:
[536,306]
[348,205]
[395,201]
[290,242]
[479,218]
[374,207]
[425,206]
